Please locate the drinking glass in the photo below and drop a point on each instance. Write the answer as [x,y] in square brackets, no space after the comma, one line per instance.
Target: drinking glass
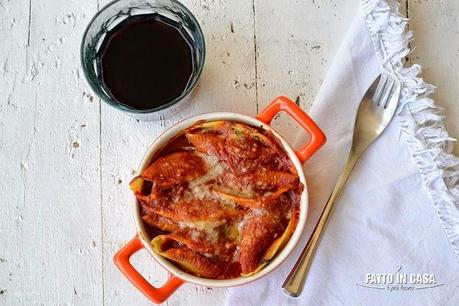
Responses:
[116,12]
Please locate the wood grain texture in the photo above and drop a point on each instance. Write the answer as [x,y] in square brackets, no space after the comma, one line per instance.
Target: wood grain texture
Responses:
[50,210]
[15,120]
[66,157]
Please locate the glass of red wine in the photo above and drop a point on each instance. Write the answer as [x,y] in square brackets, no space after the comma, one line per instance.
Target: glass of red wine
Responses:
[143,57]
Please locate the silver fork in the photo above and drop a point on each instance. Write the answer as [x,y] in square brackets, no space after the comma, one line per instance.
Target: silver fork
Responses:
[375,111]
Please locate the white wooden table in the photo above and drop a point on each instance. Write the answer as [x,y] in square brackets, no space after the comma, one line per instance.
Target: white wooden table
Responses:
[66,158]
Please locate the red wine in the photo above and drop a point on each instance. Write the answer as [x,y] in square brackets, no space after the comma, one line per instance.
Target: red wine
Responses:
[146,61]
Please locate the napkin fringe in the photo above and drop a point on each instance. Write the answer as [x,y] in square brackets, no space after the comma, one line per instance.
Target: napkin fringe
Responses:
[420,119]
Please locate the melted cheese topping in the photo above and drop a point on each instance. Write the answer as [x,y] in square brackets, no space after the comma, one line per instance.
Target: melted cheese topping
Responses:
[214,170]
[207,227]
[227,213]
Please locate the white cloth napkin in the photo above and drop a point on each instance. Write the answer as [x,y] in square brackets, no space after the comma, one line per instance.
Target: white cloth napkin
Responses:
[385,221]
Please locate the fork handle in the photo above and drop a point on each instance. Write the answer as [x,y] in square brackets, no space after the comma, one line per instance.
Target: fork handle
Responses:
[293,284]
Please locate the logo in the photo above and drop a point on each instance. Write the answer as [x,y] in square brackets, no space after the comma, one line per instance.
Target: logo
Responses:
[400,281]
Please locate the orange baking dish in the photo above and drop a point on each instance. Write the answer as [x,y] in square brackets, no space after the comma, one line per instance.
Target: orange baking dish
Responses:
[143,238]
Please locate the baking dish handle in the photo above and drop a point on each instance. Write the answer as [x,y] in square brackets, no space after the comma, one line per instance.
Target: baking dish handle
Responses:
[316,136]
[157,295]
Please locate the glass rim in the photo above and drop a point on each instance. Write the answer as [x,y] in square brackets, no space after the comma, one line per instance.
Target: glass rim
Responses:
[121,106]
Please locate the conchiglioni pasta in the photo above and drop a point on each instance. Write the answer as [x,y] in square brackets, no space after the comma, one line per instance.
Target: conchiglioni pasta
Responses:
[221,200]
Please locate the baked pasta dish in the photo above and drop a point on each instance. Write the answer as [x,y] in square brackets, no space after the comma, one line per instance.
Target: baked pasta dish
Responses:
[220,200]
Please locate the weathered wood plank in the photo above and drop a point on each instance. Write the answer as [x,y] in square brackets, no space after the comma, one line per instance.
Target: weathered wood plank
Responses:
[15,122]
[50,192]
[229,67]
